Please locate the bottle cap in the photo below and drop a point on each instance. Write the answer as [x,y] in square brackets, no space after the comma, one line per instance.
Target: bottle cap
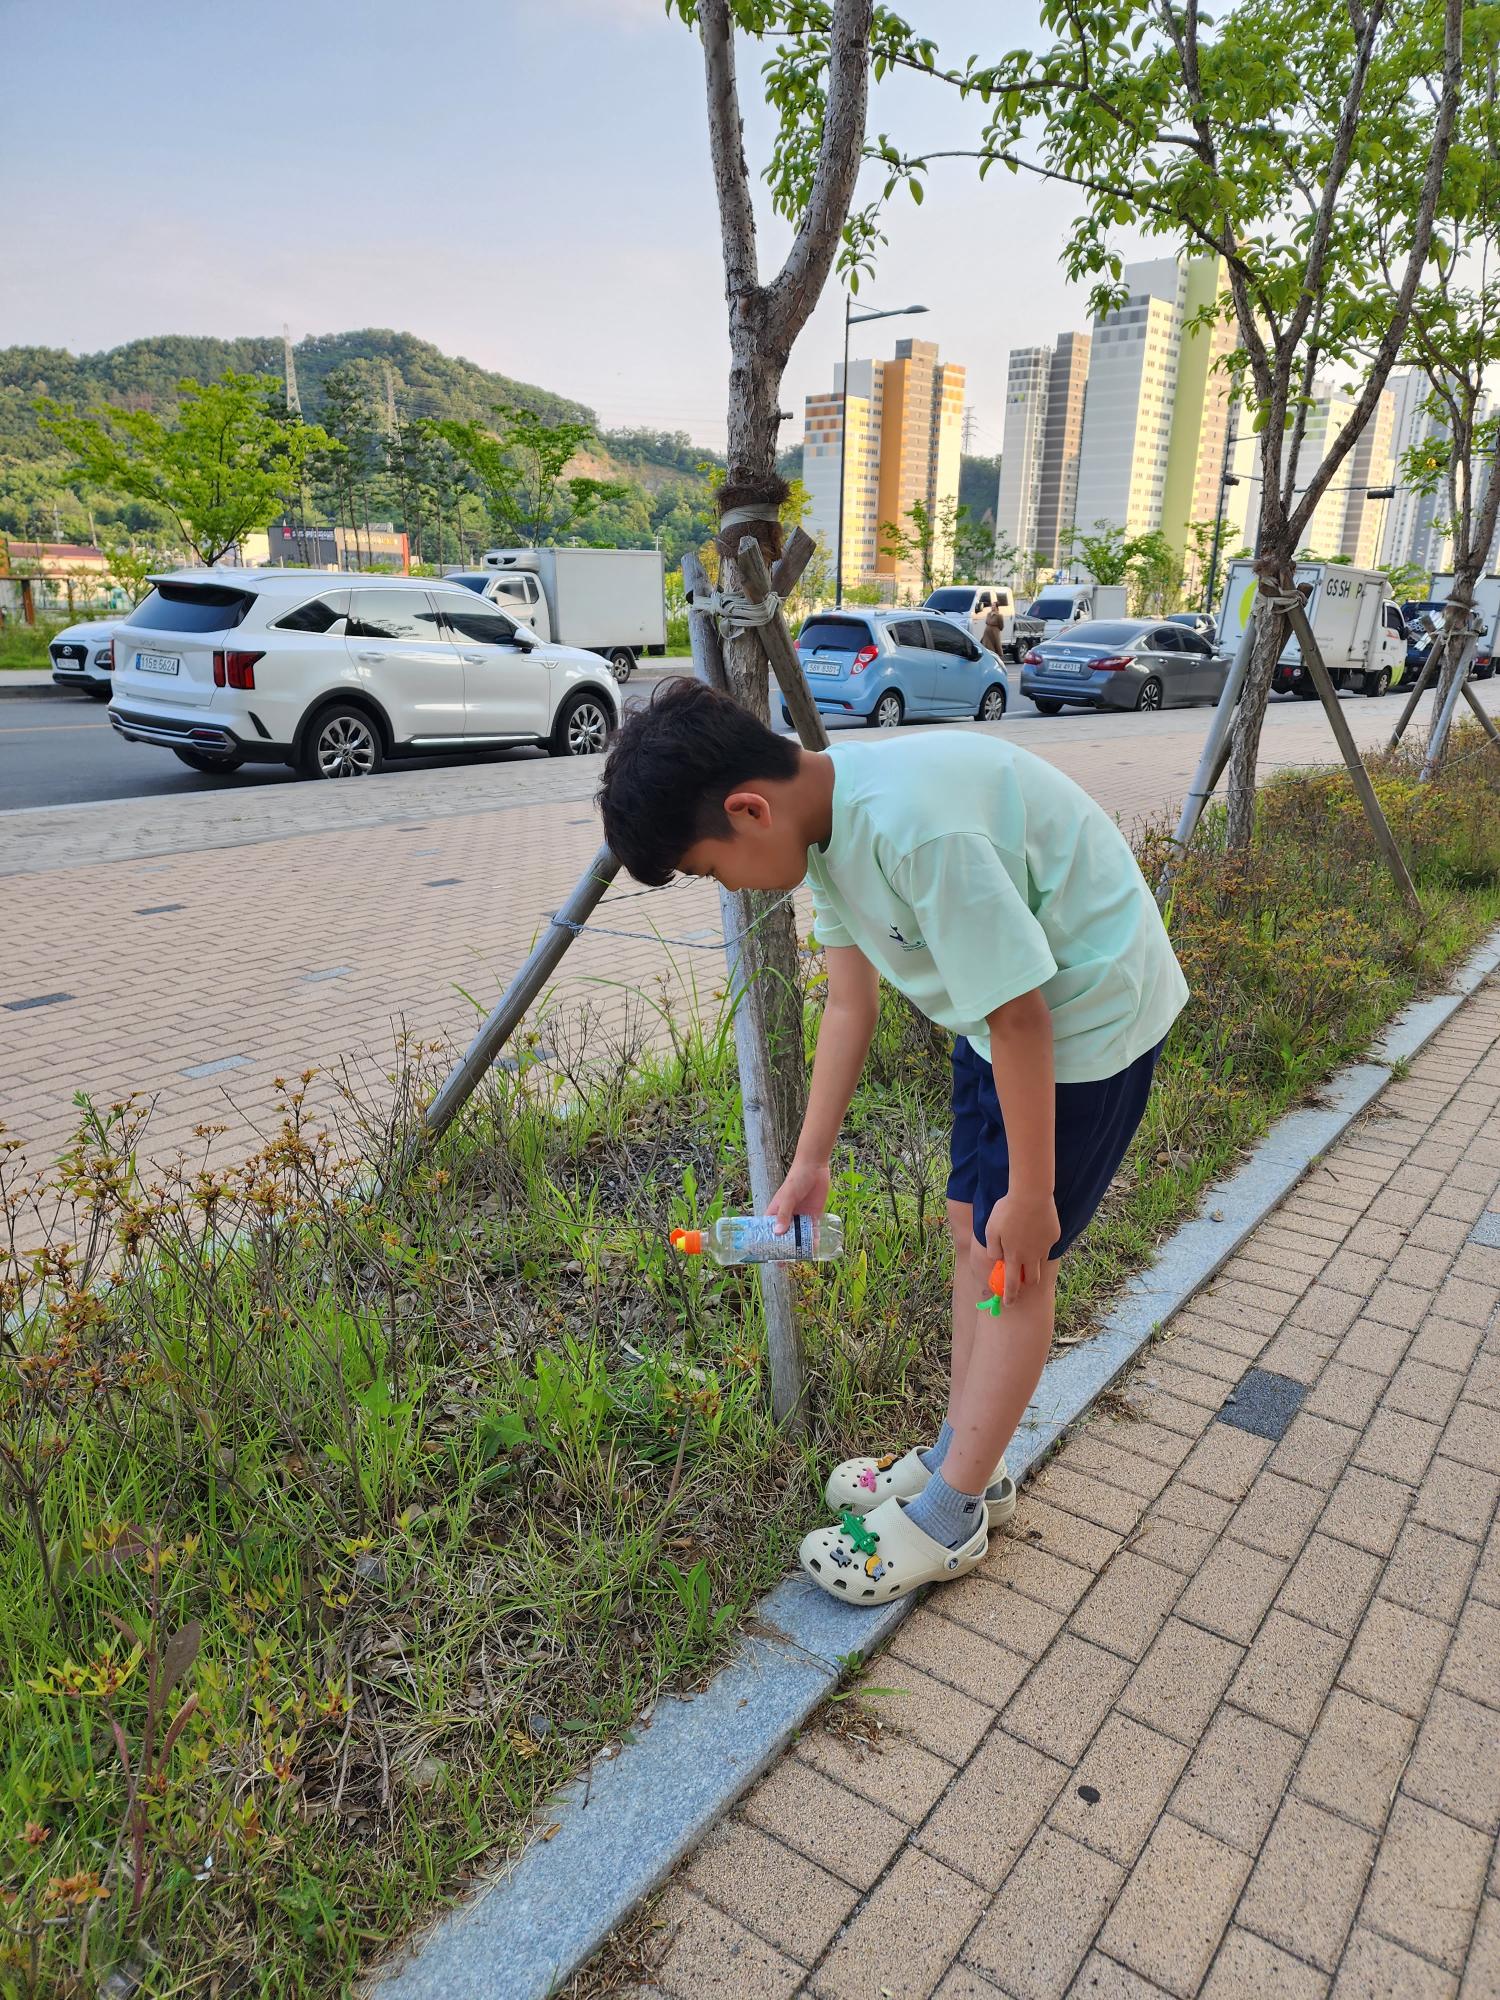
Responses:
[688,1241]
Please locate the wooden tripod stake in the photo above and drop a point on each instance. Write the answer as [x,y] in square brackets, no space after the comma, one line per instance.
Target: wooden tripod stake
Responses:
[1312,659]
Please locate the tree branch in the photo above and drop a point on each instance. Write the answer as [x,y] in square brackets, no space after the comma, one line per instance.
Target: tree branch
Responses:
[726,145]
[796,291]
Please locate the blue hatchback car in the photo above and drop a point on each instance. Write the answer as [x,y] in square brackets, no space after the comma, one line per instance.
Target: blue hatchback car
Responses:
[890,667]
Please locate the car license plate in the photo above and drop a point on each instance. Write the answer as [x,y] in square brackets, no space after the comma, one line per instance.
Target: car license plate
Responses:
[1065,666]
[67,666]
[158,663]
[824,663]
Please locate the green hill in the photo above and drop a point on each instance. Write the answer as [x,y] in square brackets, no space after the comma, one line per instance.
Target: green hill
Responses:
[667,489]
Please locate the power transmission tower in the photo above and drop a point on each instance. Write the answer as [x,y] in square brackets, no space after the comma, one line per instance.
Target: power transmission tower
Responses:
[293,400]
[971,425]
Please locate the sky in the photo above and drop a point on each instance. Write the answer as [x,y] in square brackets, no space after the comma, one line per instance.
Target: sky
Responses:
[522,182]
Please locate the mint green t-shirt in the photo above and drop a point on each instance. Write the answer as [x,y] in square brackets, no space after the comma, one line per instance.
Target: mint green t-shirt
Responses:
[969,872]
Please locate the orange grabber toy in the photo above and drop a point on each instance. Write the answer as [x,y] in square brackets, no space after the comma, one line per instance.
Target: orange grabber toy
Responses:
[997,1287]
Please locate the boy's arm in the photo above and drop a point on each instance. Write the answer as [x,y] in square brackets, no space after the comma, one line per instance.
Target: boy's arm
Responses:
[1023,1224]
[844,1036]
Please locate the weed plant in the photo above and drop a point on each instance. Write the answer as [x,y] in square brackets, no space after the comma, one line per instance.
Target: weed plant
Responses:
[344,1515]
[24,647]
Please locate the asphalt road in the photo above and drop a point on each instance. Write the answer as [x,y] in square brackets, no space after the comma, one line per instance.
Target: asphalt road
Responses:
[58,749]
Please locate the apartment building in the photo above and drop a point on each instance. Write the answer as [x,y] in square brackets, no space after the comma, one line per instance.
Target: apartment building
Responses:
[1197,457]
[1126,440]
[1023,448]
[1067,389]
[905,429]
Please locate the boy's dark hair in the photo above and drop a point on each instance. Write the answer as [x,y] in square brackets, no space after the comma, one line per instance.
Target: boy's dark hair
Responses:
[670,769]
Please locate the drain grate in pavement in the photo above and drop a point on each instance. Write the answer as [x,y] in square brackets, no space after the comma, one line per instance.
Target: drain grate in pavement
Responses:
[1487,1230]
[41,1000]
[160,909]
[214,1068]
[1263,1404]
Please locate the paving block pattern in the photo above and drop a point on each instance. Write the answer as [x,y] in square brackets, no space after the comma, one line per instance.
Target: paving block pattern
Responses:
[1219,1715]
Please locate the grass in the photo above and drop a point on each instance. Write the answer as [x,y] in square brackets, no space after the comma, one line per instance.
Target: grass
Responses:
[341,1523]
[23,648]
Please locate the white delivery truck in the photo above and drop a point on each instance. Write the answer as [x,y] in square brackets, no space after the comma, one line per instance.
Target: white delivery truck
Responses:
[1063,604]
[969,605]
[1487,609]
[1355,620]
[608,601]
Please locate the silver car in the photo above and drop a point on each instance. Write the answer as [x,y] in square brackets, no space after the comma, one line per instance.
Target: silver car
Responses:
[1145,663]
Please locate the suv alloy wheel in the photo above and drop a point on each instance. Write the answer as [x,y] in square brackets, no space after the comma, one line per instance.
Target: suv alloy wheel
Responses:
[342,743]
[583,728]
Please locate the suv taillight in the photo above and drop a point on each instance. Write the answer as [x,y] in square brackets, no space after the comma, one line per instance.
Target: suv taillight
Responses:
[865,657]
[236,670]
[114,653]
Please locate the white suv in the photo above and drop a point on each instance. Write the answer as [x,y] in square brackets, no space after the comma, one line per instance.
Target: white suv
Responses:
[333,674]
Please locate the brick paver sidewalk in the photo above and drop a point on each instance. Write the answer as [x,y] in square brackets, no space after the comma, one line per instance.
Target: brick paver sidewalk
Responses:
[1220,1715]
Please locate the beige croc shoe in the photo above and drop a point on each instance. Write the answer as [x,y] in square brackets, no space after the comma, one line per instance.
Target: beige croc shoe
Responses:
[871,1559]
[862,1483]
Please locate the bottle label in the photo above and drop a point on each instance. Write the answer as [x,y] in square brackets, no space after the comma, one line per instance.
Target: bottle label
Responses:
[752,1239]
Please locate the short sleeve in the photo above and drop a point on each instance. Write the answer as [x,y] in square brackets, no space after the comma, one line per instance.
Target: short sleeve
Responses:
[986,945]
[826,927]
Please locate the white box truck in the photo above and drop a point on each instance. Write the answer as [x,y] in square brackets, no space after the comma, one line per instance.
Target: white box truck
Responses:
[1355,620]
[1487,609]
[608,601]
[1063,604]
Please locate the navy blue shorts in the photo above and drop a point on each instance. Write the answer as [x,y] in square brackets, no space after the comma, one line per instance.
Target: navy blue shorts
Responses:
[1095,1124]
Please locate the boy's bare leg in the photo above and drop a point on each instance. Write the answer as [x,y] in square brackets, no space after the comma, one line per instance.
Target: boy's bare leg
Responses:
[1003,1365]
[965,1298]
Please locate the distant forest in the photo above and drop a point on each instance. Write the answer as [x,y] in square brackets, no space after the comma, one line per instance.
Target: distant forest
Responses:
[667,485]
[667,479]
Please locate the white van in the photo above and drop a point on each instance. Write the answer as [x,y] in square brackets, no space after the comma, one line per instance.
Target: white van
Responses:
[1063,604]
[1355,620]
[333,674]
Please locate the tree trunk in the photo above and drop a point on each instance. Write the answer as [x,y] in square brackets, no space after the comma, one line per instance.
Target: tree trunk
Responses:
[764,321]
[1270,637]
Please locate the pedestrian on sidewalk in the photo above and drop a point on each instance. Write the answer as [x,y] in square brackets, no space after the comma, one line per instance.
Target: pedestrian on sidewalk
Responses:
[1008,907]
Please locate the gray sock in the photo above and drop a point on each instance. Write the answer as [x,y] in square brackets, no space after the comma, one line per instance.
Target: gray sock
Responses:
[933,1457]
[950,1518]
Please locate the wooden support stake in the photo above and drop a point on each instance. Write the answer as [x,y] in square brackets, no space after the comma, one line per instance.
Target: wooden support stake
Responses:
[781,650]
[783,1342]
[1442,721]
[1312,659]
[1417,692]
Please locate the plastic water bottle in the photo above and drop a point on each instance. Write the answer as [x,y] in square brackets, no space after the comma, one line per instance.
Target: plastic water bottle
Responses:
[752,1239]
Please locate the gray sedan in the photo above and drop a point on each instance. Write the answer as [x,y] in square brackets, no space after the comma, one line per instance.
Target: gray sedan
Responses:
[1144,663]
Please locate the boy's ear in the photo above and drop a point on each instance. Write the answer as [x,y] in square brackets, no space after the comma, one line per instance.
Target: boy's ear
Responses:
[745,806]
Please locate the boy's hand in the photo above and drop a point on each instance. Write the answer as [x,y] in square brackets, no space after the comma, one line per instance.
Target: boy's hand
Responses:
[803,1192]
[1022,1228]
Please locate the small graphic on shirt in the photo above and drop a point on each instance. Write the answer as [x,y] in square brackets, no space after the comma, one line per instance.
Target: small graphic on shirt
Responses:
[906,944]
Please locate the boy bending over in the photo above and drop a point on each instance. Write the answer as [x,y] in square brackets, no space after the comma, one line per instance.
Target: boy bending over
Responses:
[1008,907]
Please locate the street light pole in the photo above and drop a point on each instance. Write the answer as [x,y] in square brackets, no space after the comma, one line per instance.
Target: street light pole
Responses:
[896,312]
[1226,479]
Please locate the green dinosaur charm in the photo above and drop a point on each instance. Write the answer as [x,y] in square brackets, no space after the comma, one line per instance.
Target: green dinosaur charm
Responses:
[862,1537]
